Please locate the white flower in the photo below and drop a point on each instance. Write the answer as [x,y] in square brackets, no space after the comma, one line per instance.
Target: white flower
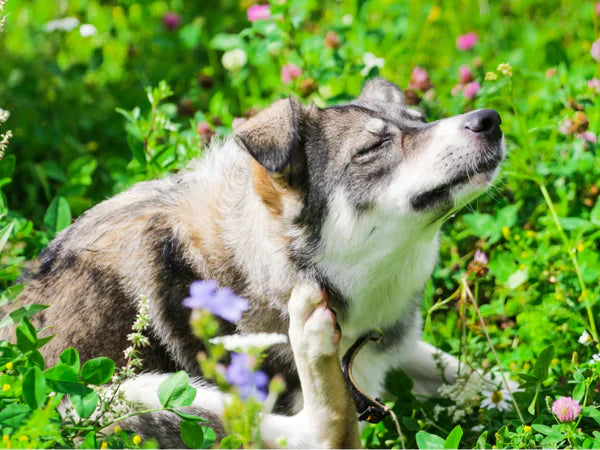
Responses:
[245,342]
[347,19]
[595,359]
[370,61]
[234,59]
[585,338]
[87,29]
[64,24]
[4,115]
[499,397]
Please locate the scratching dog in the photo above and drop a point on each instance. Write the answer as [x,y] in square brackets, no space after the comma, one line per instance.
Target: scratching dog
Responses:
[347,200]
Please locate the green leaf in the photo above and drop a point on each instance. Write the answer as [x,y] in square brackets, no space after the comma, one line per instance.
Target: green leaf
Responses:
[517,279]
[531,408]
[594,413]
[34,388]
[595,213]
[224,41]
[453,439]
[579,392]
[64,379]
[192,434]
[543,362]
[544,429]
[7,166]
[482,441]
[97,370]
[70,357]
[187,416]
[85,403]
[14,415]
[26,336]
[58,215]
[176,391]
[18,314]
[5,234]
[137,150]
[89,441]
[428,440]
[230,442]
[209,437]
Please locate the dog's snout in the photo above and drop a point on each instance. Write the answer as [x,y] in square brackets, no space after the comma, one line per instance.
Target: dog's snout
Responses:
[484,123]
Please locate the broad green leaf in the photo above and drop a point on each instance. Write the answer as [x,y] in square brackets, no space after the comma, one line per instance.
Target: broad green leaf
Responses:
[595,213]
[85,403]
[594,413]
[89,441]
[64,379]
[230,442]
[223,41]
[544,429]
[187,416]
[579,392]
[18,314]
[34,388]
[543,362]
[453,439]
[97,370]
[14,415]
[58,215]
[482,441]
[191,434]
[70,357]
[209,437]
[517,279]
[428,440]
[176,391]
[26,336]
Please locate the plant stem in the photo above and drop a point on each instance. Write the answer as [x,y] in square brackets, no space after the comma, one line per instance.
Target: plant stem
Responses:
[573,256]
[487,336]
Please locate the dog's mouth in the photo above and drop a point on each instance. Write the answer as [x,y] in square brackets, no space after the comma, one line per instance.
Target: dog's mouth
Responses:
[441,194]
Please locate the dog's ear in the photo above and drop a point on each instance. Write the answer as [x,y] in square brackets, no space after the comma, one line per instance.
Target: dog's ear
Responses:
[379,90]
[273,135]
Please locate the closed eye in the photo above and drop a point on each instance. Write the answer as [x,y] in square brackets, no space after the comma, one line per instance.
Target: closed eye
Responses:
[374,147]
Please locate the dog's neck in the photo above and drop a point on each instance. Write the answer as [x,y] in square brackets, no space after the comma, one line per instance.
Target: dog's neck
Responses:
[380,264]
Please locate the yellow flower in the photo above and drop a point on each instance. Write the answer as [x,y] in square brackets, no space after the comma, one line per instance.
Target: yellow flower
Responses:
[530,233]
[104,445]
[434,13]
[5,387]
[117,429]
[9,366]
[505,68]
[5,438]
[506,232]
[522,267]
[527,429]
[554,362]
[524,254]
[23,438]
[580,247]
[137,439]
[491,76]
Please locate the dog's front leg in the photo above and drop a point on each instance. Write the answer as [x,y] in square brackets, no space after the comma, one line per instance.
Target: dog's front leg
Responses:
[328,418]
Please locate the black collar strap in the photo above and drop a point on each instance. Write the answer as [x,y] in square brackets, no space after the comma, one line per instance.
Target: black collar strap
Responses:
[370,410]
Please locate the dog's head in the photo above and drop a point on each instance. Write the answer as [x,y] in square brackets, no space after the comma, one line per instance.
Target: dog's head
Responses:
[376,156]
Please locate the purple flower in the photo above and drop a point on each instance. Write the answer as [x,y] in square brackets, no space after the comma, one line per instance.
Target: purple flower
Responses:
[419,79]
[588,136]
[220,301]
[471,89]
[464,75]
[480,257]
[466,41]
[290,72]
[171,20]
[566,409]
[249,383]
[258,12]
[594,84]
[595,50]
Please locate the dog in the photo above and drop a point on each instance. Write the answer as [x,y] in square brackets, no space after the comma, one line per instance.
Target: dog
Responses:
[346,200]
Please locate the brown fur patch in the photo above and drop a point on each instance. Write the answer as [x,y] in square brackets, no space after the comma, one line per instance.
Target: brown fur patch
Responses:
[267,189]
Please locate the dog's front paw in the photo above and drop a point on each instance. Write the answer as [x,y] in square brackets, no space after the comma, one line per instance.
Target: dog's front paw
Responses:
[314,333]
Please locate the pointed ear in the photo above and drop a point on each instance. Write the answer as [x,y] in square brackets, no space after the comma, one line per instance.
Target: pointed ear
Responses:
[379,90]
[273,135]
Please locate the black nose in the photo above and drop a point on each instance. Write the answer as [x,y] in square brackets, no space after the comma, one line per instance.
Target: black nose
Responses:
[485,123]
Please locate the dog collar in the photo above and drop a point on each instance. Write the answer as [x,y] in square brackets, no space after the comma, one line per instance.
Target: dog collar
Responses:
[369,409]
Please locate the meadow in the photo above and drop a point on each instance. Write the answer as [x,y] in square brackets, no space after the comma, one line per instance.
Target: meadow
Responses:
[101,94]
